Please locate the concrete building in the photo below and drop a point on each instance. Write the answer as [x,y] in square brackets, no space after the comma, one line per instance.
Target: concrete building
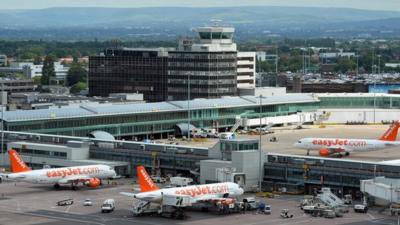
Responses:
[231,163]
[246,70]
[392,65]
[31,70]
[13,86]
[3,60]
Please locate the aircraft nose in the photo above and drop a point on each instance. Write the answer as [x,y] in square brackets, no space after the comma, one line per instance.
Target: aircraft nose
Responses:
[241,191]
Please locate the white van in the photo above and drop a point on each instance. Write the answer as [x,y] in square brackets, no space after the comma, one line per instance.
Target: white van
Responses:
[108,205]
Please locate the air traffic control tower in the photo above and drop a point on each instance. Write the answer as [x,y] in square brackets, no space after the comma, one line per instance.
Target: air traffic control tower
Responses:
[206,69]
[216,39]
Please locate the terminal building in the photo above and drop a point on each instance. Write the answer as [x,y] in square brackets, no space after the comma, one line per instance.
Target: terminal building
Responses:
[157,119]
[228,160]
[160,119]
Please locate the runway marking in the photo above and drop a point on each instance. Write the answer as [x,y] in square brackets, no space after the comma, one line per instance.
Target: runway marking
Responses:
[371,216]
[67,209]
[60,218]
[308,220]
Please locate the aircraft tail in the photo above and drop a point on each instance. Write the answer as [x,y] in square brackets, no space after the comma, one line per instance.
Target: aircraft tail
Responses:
[391,133]
[145,181]
[17,164]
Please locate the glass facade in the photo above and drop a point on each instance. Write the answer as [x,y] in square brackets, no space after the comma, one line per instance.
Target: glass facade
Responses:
[42,153]
[129,71]
[155,122]
[383,102]
[208,74]
[313,172]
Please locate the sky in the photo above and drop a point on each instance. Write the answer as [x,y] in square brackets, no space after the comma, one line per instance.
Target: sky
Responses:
[392,5]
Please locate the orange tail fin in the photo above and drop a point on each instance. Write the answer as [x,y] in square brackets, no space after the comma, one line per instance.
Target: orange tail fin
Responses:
[17,164]
[145,181]
[391,133]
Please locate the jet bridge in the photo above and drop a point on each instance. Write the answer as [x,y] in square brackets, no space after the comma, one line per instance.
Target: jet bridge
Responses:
[382,188]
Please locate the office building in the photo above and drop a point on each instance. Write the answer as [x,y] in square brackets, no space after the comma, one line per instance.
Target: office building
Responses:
[246,70]
[31,70]
[128,70]
[209,67]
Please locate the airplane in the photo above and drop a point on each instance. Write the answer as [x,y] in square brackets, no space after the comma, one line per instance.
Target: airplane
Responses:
[343,146]
[88,175]
[218,192]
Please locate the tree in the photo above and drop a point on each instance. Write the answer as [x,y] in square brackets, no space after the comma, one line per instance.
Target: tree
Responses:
[76,88]
[76,73]
[345,64]
[37,80]
[37,60]
[48,72]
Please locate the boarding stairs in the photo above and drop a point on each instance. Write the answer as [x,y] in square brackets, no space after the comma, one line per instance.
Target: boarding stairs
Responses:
[330,199]
[238,123]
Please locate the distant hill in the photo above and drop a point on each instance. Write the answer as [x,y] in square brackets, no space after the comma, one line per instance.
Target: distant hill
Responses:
[172,21]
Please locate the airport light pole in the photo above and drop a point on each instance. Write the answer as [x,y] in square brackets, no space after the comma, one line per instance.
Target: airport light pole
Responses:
[374,101]
[188,107]
[357,56]
[276,66]
[2,123]
[260,149]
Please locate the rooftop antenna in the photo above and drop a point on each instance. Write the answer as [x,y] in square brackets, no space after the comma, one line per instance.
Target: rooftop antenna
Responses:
[216,22]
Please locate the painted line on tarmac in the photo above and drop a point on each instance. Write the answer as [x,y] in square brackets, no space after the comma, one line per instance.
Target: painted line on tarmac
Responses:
[60,218]
[371,216]
[382,221]
[307,220]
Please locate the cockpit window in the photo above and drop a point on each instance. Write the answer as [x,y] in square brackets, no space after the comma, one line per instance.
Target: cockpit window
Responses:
[298,141]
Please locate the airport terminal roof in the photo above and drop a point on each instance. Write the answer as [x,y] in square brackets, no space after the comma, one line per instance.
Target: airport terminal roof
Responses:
[88,110]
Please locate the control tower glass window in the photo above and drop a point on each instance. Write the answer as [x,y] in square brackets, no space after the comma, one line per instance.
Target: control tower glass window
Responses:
[216,35]
[226,35]
[205,35]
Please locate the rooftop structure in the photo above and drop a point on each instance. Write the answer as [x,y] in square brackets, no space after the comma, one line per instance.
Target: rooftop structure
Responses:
[153,118]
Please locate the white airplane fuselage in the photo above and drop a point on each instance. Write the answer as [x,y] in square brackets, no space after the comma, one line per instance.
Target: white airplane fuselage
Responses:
[346,144]
[197,192]
[62,175]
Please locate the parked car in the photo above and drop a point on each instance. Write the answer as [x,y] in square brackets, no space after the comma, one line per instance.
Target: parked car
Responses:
[360,208]
[87,202]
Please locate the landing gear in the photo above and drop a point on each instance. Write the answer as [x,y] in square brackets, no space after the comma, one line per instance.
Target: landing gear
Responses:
[74,187]
[56,186]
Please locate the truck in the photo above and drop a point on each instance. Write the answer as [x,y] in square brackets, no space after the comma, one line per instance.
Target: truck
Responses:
[108,205]
[171,206]
[180,181]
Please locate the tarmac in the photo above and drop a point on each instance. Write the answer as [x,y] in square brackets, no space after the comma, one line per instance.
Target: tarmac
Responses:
[287,136]
[32,204]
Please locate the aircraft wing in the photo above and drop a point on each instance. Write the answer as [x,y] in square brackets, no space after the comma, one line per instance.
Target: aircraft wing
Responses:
[392,143]
[74,179]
